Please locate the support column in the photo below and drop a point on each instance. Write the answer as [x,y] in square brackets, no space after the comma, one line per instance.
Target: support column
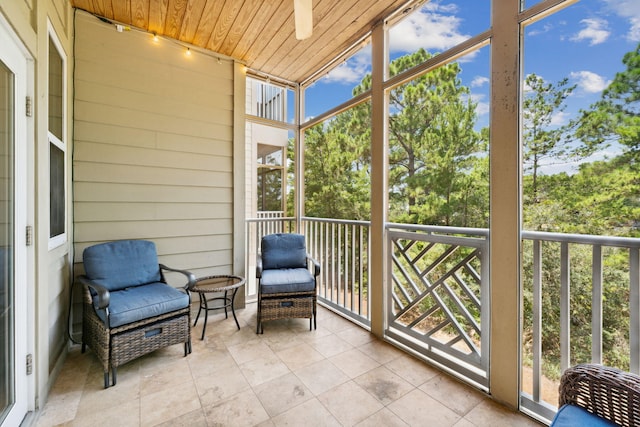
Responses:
[239,162]
[379,173]
[504,362]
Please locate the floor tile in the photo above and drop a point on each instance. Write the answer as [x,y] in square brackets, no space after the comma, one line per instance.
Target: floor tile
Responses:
[349,403]
[384,385]
[354,362]
[321,376]
[168,404]
[419,409]
[299,356]
[383,417]
[308,414]
[336,375]
[282,394]
[243,409]
[442,387]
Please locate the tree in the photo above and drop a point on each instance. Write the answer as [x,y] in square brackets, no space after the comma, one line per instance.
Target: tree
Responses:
[433,147]
[337,172]
[438,164]
[541,140]
[616,117]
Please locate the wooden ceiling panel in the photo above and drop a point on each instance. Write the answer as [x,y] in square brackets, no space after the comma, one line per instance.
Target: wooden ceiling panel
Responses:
[157,16]
[259,33]
[242,24]
[140,13]
[226,19]
[122,11]
[255,28]
[191,21]
[344,11]
[175,17]
[207,22]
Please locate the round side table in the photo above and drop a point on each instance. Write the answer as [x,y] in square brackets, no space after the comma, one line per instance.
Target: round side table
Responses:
[217,284]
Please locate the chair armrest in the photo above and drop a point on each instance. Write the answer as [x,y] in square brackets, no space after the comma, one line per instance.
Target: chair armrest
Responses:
[103,297]
[316,265]
[259,266]
[191,278]
[605,391]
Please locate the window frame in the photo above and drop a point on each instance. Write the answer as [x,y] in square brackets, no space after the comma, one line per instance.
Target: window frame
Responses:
[52,139]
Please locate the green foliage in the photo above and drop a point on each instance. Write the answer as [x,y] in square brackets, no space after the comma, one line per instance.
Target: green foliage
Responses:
[435,156]
[439,175]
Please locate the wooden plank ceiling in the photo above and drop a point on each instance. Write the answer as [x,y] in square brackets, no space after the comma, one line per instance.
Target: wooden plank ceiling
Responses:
[259,33]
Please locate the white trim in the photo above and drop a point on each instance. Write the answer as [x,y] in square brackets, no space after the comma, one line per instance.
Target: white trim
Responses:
[60,239]
[14,56]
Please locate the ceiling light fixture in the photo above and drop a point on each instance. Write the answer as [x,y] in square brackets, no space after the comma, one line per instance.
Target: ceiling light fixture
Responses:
[302,11]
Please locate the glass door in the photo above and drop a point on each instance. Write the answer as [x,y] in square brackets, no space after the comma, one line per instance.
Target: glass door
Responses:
[13,336]
[7,329]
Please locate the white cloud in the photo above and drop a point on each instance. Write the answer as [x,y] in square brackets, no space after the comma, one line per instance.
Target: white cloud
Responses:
[434,27]
[628,9]
[539,30]
[560,118]
[482,107]
[589,82]
[634,32]
[596,31]
[479,81]
[351,71]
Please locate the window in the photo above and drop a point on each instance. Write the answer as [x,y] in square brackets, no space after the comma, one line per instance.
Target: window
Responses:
[57,146]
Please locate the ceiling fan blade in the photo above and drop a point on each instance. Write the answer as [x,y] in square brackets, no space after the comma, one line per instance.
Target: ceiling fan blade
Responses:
[302,10]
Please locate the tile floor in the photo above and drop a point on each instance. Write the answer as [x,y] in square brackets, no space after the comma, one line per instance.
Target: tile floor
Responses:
[338,375]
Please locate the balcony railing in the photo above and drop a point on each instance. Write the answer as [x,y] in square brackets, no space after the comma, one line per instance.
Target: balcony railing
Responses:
[438,295]
[564,281]
[342,248]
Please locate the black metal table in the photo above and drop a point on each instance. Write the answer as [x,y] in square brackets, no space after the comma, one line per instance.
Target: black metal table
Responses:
[216,284]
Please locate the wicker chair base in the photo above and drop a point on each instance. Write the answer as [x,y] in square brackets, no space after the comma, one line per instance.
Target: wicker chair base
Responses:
[607,392]
[285,306]
[117,346]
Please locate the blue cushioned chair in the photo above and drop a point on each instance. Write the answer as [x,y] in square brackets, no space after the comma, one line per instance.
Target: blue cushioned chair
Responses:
[129,309]
[286,286]
[593,395]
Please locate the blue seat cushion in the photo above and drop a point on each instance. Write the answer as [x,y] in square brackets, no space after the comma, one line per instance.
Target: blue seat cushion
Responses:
[122,263]
[142,302]
[286,280]
[283,250]
[575,416]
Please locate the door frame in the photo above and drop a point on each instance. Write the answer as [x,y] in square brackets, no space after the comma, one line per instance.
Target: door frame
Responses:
[15,55]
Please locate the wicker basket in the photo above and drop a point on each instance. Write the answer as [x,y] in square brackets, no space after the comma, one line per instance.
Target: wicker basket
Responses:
[283,306]
[133,343]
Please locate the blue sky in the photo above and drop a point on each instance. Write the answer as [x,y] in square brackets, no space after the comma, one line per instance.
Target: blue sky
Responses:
[584,42]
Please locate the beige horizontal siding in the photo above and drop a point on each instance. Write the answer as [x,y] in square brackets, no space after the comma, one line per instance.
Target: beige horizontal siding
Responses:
[153,153]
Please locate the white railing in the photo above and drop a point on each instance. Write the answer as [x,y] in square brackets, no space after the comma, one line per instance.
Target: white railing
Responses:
[437,297]
[552,260]
[342,249]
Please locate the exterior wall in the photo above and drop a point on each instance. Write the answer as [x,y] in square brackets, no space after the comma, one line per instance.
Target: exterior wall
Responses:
[48,274]
[154,152]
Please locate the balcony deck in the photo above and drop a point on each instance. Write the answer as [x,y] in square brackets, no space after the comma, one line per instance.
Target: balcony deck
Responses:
[338,375]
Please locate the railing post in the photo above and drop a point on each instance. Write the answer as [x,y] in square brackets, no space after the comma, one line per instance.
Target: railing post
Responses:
[596,305]
[565,308]
[634,309]
[537,318]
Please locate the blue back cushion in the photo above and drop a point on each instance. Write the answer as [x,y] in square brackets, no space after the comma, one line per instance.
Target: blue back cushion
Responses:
[283,250]
[121,264]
